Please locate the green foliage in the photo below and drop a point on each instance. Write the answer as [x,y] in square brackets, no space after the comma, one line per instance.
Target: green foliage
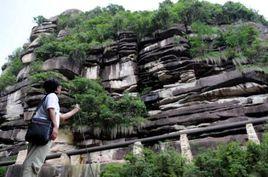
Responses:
[236,42]
[112,170]
[42,76]
[52,47]
[193,10]
[240,39]
[167,163]
[39,19]
[224,161]
[3,171]
[100,25]
[101,110]
[199,44]
[228,160]
[8,77]
[36,66]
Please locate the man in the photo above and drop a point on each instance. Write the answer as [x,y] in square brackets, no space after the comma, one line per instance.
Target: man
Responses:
[50,109]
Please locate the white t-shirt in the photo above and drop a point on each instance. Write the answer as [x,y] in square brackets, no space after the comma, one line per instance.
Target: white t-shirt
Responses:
[51,101]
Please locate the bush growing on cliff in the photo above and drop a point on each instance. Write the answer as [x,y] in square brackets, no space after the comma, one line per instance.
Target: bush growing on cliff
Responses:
[39,19]
[199,44]
[239,41]
[14,65]
[101,110]
[3,171]
[42,76]
[100,25]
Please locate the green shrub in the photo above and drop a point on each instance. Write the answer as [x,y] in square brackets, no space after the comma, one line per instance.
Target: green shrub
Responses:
[39,19]
[8,77]
[101,110]
[3,171]
[167,163]
[199,45]
[112,170]
[226,160]
[42,76]
[99,25]
[238,42]
[241,39]
[52,47]
[230,160]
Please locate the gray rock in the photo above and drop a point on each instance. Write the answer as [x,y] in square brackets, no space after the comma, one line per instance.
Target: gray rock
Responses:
[24,73]
[28,58]
[63,33]
[67,67]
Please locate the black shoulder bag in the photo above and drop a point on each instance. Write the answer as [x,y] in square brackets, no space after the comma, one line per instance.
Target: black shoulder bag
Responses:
[39,130]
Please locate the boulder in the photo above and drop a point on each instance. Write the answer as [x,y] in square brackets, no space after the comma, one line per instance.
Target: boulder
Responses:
[28,58]
[65,66]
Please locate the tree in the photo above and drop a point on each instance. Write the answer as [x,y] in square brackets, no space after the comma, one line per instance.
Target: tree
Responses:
[39,19]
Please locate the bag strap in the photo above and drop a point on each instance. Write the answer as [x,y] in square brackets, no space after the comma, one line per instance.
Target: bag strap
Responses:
[39,105]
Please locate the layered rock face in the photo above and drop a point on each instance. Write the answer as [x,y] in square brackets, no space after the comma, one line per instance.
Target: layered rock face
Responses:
[115,64]
[164,59]
[179,92]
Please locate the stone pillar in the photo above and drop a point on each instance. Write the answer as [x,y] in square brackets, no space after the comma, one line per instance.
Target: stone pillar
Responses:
[185,147]
[162,146]
[252,136]
[138,149]
[21,157]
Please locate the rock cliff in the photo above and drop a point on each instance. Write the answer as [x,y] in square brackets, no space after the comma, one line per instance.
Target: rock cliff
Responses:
[180,92]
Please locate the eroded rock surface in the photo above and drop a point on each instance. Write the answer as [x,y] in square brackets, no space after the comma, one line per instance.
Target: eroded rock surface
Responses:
[180,92]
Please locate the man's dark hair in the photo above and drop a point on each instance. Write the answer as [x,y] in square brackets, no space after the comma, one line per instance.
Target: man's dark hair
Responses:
[51,85]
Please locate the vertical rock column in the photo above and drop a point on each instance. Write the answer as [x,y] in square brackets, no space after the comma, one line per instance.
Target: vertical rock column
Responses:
[46,28]
[185,147]
[91,65]
[164,59]
[120,69]
[252,136]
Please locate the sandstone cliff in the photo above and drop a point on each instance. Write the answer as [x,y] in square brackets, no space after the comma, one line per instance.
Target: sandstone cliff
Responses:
[180,92]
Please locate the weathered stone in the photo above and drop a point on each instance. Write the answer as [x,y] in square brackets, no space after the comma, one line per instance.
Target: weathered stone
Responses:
[252,136]
[12,135]
[199,145]
[138,149]
[16,123]
[28,58]
[24,73]
[64,65]
[176,30]
[225,79]
[14,108]
[62,34]
[179,92]
[120,76]
[35,43]
[21,157]
[185,147]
